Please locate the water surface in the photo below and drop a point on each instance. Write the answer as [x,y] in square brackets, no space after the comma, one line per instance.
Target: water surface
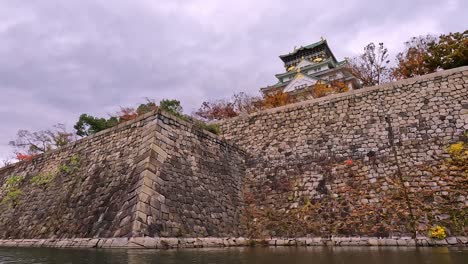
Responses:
[289,255]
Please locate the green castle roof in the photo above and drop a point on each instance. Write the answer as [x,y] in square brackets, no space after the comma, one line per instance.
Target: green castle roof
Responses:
[310,46]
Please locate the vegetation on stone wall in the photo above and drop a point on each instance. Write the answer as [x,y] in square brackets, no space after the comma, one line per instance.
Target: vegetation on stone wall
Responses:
[320,89]
[277,99]
[376,209]
[242,103]
[88,125]
[437,232]
[12,192]
[43,179]
[227,108]
[213,128]
[71,166]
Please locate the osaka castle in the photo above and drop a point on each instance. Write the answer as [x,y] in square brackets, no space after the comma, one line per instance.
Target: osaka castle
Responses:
[308,65]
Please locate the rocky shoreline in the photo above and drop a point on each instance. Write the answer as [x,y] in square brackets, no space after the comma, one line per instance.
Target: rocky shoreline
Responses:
[213,242]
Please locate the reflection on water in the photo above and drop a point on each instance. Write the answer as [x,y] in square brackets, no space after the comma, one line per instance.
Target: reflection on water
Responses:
[290,255]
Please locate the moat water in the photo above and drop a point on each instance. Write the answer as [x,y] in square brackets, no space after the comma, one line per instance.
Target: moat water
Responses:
[337,255]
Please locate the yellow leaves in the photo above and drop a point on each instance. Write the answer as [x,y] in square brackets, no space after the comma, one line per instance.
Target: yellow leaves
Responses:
[437,232]
[458,154]
[322,89]
[277,99]
[456,149]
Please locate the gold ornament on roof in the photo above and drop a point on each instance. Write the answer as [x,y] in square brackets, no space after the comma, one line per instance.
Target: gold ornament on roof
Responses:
[318,59]
[291,68]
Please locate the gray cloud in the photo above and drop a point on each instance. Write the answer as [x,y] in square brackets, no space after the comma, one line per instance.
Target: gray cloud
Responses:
[63,58]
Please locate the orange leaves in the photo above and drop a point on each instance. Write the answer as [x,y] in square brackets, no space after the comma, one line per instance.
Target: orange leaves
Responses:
[413,61]
[321,89]
[339,87]
[127,113]
[277,99]
[24,157]
[222,109]
[216,110]
[130,113]
[242,103]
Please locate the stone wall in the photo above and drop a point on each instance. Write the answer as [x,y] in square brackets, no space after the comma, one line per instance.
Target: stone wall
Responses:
[216,242]
[193,183]
[154,176]
[349,164]
[353,163]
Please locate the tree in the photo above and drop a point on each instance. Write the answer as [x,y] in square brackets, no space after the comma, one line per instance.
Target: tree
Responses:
[321,90]
[149,106]
[371,67]
[450,51]
[88,125]
[244,103]
[277,99]
[227,108]
[413,61]
[126,114]
[129,113]
[171,106]
[334,87]
[28,144]
[216,110]
[339,86]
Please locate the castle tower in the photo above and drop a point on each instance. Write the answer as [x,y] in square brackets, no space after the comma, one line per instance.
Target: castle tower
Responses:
[306,66]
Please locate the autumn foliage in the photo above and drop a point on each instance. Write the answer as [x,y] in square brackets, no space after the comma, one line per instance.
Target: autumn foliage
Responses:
[277,99]
[449,51]
[427,54]
[372,66]
[242,103]
[24,157]
[413,61]
[129,113]
[28,144]
[227,108]
[88,124]
[322,89]
[216,110]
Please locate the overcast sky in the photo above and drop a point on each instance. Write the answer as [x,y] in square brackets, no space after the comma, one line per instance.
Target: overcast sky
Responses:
[61,58]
